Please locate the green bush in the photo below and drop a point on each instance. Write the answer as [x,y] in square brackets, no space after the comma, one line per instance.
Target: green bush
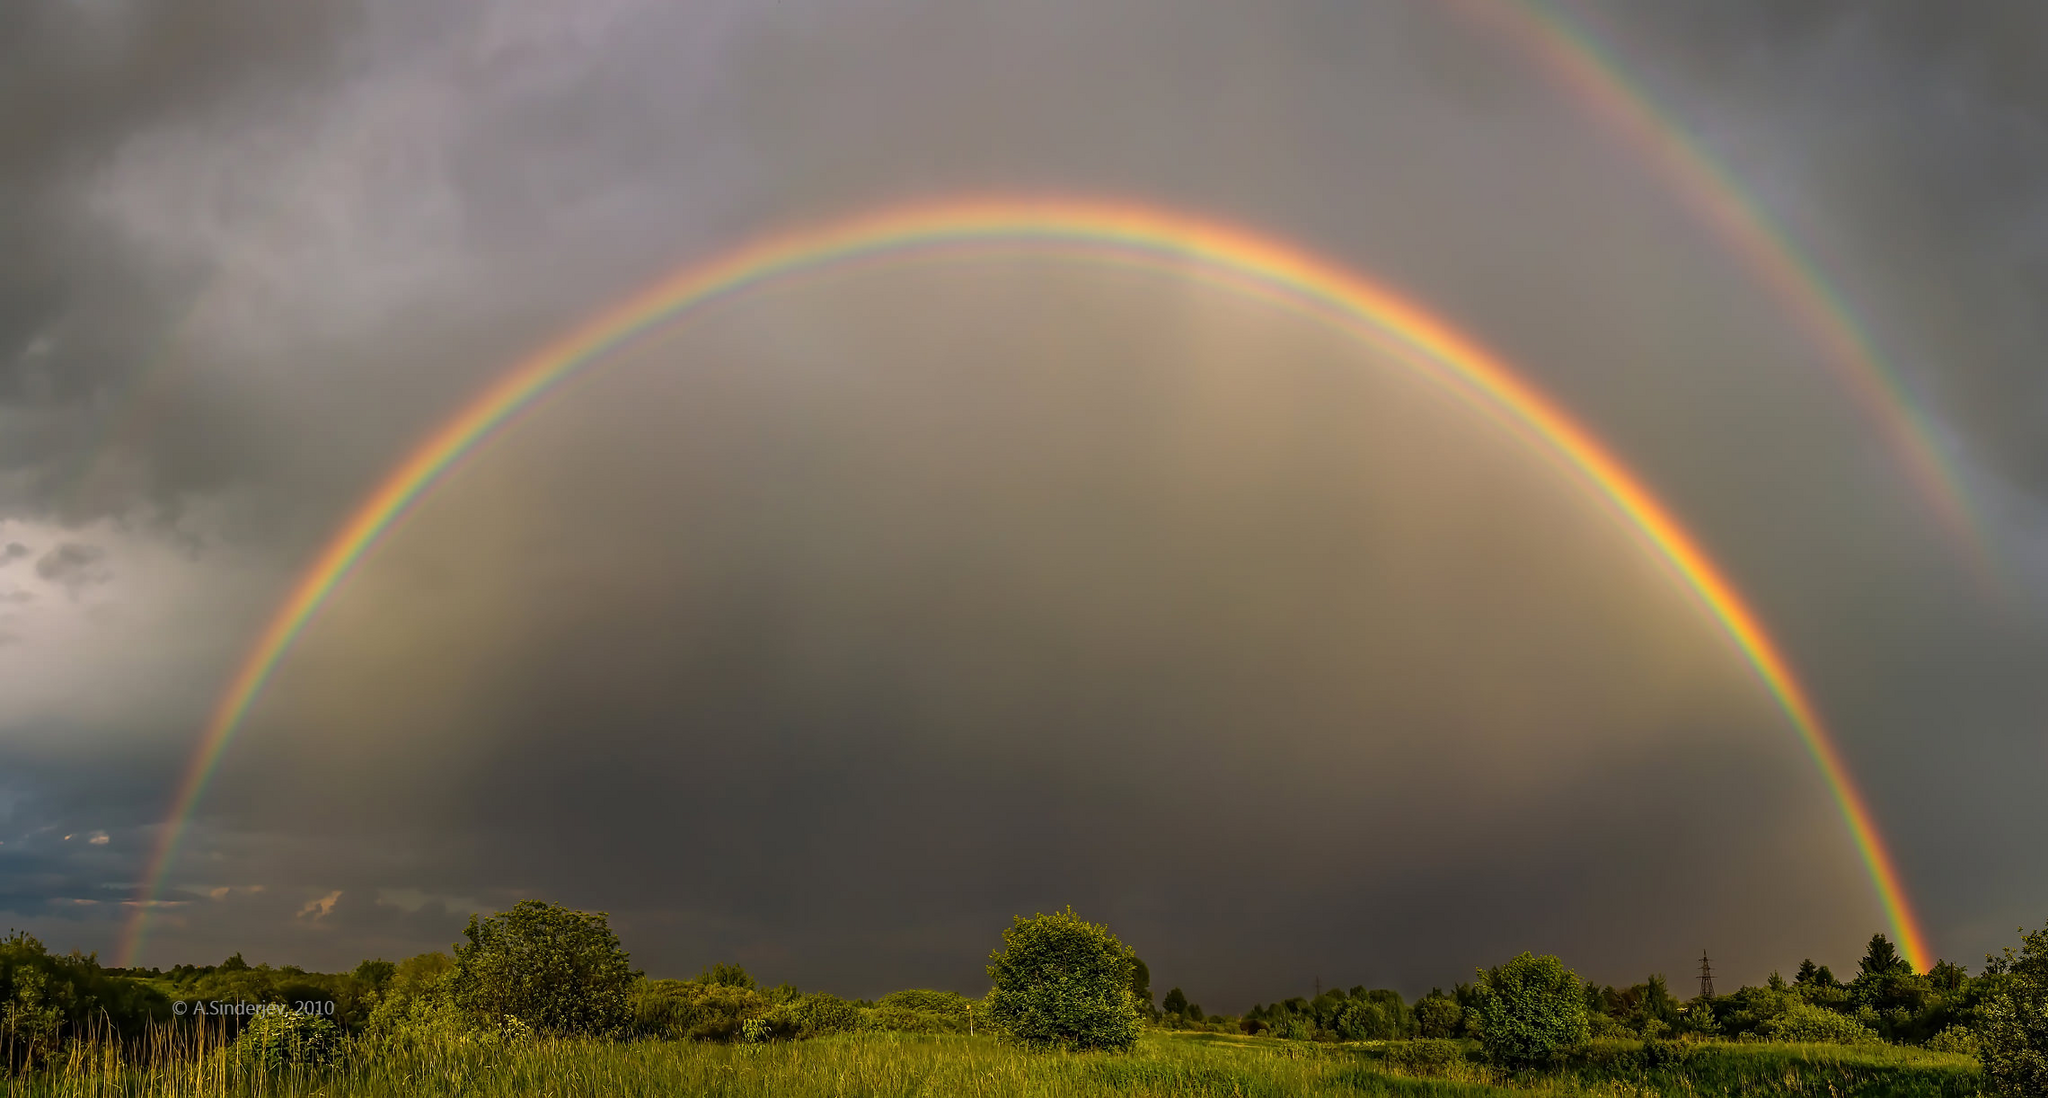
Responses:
[44,997]
[1063,982]
[1960,1040]
[1530,1012]
[553,969]
[921,1011]
[2012,1025]
[275,1040]
[1805,1023]
[819,1013]
[689,1010]
[1439,1016]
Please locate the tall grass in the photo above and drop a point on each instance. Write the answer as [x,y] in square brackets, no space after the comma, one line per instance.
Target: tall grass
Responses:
[193,1064]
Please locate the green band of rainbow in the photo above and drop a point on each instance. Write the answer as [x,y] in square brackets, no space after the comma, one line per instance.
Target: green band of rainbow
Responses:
[1086,229]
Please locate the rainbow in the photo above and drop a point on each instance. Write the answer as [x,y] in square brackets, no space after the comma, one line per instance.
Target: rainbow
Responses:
[1127,234]
[1577,57]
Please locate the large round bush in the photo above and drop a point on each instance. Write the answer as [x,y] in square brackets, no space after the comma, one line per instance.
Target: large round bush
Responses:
[1530,1012]
[551,968]
[1063,982]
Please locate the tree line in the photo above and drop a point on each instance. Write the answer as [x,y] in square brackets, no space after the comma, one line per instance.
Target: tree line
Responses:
[1056,981]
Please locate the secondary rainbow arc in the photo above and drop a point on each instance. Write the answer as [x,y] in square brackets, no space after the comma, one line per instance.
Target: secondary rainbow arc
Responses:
[1122,232]
[1595,73]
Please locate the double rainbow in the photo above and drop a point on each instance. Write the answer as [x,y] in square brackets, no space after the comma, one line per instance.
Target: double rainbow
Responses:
[1126,234]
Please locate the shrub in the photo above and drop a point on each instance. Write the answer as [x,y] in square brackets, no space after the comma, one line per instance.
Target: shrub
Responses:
[553,969]
[697,1012]
[1361,1020]
[921,1011]
[819,1013]
[275,1040]
[1063,982]
[1955,1039]
[2012,1025]
[1439,1016]
[1530,1012]
[1809,1024]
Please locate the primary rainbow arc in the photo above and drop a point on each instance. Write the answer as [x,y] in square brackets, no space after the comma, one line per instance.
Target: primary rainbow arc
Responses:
[1092,230]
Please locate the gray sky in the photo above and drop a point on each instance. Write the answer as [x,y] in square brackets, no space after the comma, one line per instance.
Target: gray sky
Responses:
[838,627]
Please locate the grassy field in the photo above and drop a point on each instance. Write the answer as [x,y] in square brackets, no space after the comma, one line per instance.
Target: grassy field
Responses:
[940,1067]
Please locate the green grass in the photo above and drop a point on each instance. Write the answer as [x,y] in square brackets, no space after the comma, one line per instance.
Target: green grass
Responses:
[879,1065]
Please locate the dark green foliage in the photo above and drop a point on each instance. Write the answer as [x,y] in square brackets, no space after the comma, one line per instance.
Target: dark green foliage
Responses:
[1176,1003]
[551,968]
[280,1039]
[1438,1016]
[2012,1025]
[1882,959]
[45,999]
[374,975]
[1063,982]
[1361,1014]
[1530,1012]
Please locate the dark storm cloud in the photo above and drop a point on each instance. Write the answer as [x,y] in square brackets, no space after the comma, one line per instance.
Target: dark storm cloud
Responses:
[80,313]
[12,552]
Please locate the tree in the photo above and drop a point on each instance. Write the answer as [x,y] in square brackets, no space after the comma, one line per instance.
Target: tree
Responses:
[1530,1011]
[1947,976]
[1176,1003]
[1063,982]
[1808,973]
[551,968]
[2012,1025]
[1881,959]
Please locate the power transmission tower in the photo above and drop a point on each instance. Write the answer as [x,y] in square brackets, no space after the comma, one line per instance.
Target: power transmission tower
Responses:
[1706,977]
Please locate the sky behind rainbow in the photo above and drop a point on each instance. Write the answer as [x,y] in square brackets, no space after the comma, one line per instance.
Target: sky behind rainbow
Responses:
[1085,230]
